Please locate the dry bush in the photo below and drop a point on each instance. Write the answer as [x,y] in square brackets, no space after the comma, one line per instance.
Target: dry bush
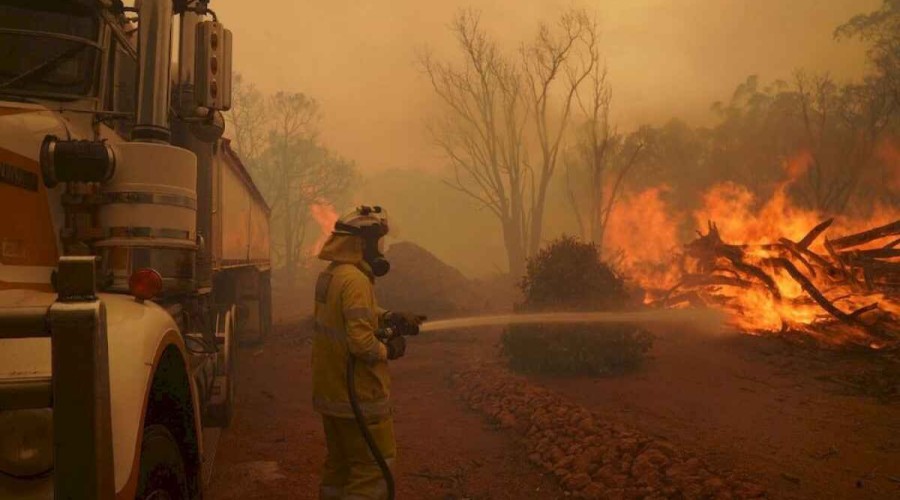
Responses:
[569,275]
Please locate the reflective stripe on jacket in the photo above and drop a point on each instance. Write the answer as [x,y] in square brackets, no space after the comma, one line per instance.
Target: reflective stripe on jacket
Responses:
[346,317]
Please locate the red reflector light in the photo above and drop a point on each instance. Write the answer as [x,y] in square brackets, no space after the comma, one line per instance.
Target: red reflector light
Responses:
[145,284]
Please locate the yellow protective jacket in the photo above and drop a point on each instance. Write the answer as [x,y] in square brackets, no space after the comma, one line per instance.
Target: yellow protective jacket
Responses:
[346,317]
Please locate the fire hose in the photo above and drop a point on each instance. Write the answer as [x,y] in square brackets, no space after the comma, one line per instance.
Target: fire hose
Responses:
[364,429]
[384,335]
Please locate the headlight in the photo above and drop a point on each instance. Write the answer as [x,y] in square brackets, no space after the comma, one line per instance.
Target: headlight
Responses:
[26,442]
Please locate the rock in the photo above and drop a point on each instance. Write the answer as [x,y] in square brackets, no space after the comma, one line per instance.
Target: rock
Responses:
[628,445]
[565,462]
[587,425]
[749,490]
[691,490]
[650,461]
[593,491]
[615,494]
[582,463]
[693,464]
[652,479]
[611,477]
[590,456]
[576,482]
[667,449]
[713,486]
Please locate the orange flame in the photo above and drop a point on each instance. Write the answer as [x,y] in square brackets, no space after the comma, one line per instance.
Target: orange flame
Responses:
[642,229]
[646,231]
[325,216]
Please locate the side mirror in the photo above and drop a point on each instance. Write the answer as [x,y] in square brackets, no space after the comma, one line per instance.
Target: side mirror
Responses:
[212,66]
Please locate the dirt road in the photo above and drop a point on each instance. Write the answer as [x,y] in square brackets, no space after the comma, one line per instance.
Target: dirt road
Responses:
[275,446]
[804,422]
[792,419]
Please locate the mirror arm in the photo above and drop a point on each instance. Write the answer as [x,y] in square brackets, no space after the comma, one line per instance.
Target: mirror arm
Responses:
[203,10]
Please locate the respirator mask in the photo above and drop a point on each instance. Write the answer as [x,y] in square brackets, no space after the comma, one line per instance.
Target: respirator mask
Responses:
[370,224]
[373,254]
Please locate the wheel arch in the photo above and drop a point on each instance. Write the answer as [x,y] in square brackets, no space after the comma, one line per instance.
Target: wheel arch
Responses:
[172,403]
[149,375]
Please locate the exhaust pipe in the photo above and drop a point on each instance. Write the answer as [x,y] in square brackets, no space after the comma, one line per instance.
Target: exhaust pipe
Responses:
[154,63]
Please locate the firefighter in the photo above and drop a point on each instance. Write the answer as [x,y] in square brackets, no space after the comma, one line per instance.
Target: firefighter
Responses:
[346,320]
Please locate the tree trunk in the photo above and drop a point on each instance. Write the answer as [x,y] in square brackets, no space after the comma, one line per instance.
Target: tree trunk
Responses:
[515,251]
[537,216]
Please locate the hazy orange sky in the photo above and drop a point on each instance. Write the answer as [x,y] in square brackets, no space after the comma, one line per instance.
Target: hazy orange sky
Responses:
[665,57]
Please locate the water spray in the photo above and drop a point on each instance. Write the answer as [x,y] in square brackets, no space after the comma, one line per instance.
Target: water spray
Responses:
[706,319]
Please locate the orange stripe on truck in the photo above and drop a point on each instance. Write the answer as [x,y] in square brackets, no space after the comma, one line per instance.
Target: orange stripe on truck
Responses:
[26,228]
[15,111]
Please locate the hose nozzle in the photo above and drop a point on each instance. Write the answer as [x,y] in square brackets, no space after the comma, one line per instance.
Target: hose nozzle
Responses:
[386,334]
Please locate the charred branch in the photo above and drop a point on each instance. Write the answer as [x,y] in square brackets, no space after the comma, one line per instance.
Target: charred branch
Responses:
[867,236]
[816,231]
[810,289]
[718,272]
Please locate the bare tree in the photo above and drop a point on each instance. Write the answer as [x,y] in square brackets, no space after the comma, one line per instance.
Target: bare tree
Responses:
[556,62]
[277,137]
[490,101]
[600,160]
[482,132]
[841,129]
[247,120]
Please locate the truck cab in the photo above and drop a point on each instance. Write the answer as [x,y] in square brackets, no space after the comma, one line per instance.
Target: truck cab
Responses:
[134,248]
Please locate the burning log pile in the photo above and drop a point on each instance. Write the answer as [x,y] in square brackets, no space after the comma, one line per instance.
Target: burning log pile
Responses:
[840,291]
[591,457]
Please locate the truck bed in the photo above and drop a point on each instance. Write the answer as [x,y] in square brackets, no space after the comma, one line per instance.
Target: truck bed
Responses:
[240,214]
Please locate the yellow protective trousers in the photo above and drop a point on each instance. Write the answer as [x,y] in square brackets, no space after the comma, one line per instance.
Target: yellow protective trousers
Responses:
[351,472]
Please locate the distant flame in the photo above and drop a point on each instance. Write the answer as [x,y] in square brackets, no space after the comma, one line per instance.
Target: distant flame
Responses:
[325,216]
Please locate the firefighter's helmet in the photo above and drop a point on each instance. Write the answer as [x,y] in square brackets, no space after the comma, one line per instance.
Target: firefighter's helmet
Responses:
[366,221]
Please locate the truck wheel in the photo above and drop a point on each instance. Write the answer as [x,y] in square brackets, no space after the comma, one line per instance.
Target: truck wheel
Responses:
[162,467]
[220,408]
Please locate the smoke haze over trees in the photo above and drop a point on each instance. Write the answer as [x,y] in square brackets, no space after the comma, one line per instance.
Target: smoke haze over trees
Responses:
[277,137]
[806,104]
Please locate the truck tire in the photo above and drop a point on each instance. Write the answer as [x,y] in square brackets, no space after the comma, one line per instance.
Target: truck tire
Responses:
[162,467]
[220,408]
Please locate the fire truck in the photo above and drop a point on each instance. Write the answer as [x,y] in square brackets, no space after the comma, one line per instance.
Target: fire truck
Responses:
[134,248]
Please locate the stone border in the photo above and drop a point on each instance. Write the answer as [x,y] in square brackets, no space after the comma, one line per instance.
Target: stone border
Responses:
[592,458]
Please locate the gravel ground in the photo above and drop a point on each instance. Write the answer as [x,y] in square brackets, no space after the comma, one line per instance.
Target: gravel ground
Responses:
[593,458]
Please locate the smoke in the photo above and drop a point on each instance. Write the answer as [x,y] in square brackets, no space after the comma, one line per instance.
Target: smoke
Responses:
[665,59]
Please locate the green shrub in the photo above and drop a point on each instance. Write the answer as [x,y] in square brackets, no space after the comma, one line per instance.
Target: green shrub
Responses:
[569,275]
[605,349]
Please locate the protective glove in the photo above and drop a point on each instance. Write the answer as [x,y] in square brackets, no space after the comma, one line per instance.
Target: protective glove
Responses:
[405,323]
[396,347]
